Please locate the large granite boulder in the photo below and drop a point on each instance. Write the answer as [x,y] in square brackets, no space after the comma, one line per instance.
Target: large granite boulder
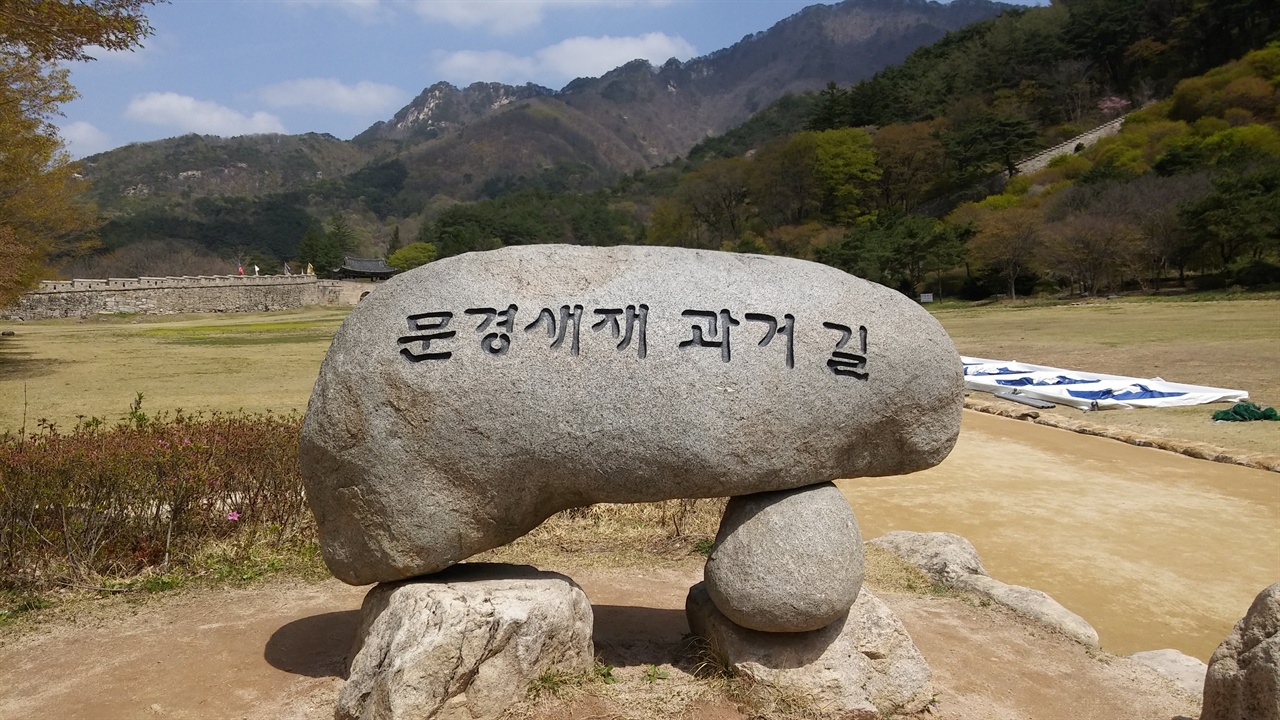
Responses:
[1243,680]
[864,666]
[464,402]
[463,644]
[786,561]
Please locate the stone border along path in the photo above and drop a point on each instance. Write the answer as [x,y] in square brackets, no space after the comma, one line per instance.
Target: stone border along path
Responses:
[1202,451]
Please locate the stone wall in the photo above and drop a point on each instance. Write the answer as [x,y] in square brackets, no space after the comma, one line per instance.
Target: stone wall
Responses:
[1040,160]
[173,295]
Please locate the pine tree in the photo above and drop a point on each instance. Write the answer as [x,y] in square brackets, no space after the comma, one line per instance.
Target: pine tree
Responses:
[311,248]
[340,234]
[394,245]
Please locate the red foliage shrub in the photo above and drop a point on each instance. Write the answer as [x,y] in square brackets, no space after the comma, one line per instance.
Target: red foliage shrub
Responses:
[113,501]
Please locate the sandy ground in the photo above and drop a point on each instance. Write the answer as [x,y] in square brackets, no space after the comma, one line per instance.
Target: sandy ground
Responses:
[1154,549]
[277,651]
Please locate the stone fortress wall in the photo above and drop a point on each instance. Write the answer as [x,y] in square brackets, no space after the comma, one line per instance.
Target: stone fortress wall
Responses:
[1040,160]
[188,294]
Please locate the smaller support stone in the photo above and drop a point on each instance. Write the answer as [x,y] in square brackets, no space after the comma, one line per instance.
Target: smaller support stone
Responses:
[786,561]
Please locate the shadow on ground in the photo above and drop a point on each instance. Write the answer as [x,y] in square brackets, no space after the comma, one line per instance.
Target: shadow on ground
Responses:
[627,636]
[315,646]
[17,363]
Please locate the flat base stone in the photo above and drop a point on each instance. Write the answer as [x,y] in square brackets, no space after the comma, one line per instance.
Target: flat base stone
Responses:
[464,643]
[861,667]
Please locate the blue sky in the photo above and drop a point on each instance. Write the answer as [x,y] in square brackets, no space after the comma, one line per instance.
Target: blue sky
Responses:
[234,67]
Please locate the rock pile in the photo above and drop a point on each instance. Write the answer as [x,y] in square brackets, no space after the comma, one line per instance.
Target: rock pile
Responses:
[463,403]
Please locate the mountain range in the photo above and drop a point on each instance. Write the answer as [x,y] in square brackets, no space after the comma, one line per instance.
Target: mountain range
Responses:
[451,142]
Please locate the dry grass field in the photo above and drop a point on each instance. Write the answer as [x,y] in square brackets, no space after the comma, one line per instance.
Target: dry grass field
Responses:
[58,370]
[1233,344]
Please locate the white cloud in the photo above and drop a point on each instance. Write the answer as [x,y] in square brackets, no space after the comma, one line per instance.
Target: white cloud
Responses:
[200,116]
[593,56]
[363,98]
[567,59]
[468,66]
[504,17]
[83,138]
[366,11]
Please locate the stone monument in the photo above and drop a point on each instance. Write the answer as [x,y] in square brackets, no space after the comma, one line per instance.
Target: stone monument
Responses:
[464,402]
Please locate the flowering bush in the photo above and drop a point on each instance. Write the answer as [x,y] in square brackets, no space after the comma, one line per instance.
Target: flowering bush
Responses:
[111,501]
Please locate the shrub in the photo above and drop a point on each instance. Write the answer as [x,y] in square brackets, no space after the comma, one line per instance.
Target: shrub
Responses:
[102,501]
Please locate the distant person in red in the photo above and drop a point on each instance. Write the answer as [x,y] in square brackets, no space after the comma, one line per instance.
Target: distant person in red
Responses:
[240,269]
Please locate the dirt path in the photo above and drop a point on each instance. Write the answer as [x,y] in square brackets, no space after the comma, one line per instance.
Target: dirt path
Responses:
[1154,549]
[277,651]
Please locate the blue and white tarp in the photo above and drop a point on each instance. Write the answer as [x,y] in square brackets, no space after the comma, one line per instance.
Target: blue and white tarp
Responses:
[1085,390]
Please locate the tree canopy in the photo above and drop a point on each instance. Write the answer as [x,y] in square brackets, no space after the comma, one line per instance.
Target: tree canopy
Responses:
[40,212]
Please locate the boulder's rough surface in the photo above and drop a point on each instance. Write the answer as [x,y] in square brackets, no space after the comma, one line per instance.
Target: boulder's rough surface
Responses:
[1034,604]
[1243,680]
[952,560]
[464,402]
[786,561]
[862,666]
[464,644]
[1185,671]
[944,557]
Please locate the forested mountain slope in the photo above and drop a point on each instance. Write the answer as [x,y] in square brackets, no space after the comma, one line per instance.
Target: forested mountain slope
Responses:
[454,144]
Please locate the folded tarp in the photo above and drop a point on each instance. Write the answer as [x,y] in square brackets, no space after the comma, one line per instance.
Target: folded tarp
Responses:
[1086,390]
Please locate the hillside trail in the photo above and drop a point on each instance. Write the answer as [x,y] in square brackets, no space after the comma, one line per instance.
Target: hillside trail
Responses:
[277,650]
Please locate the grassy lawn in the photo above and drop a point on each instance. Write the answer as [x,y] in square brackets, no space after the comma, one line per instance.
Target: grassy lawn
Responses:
[59,370]
[1233,344]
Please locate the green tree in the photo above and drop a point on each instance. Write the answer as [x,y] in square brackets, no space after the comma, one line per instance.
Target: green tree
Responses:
[1241,217]
[985,141]
[39,210]
[312,248]
[412,255]
[340,235]
[716,196]
[831,111]
[394,244]
[844,169]
[1006,240]
[910,160]
[781,180]
[895,251]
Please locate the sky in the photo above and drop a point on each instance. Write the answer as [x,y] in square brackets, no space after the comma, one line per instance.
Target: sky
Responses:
[237,67]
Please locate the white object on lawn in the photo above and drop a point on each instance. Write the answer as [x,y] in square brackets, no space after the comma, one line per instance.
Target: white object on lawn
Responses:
[1086,390]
